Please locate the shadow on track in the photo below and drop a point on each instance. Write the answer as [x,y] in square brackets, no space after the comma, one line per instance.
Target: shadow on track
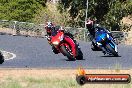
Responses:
[71,60]
[74,60]
[110,56]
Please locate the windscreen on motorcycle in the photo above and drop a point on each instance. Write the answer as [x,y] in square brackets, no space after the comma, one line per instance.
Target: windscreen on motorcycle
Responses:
[100,35]
[54,32]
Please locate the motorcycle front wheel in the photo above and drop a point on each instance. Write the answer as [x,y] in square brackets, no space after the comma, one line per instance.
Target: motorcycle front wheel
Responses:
[112,50]
[79,54]
[66,52]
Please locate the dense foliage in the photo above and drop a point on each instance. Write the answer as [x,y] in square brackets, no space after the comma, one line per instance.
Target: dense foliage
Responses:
[20,10]
[106,12]
[72,12]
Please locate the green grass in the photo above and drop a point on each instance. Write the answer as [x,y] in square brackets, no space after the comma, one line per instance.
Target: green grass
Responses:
[10,83]
[32,82]
[51,83]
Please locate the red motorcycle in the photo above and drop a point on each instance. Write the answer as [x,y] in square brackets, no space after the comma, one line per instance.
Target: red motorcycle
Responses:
[66,45]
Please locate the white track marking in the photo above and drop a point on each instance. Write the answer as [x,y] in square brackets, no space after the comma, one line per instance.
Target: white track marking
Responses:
[12,55]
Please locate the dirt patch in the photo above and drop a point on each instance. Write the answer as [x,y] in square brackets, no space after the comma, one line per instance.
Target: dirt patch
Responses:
[127,27]
[7,31]
[55,72]
[129,38]
[36,33]
[127,20]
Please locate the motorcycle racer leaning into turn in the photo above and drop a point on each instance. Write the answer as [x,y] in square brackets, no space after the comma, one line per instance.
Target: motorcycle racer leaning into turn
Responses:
[52,30]
[92,28]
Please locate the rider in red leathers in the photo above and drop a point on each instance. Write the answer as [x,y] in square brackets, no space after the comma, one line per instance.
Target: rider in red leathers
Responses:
[52,30]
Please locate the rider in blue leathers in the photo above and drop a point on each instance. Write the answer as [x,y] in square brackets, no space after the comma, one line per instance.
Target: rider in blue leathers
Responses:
[92,28]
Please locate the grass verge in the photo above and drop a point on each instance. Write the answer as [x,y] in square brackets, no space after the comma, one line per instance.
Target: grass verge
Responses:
[57,78]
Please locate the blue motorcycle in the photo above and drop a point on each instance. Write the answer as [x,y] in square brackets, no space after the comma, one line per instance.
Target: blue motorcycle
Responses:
[106,42]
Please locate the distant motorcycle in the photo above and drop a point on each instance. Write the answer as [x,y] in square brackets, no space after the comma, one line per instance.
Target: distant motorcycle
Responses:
[1,58]
[66,45]
[106,42]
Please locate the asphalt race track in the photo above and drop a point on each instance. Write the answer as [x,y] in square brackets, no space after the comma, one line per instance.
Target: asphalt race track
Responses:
[34,52]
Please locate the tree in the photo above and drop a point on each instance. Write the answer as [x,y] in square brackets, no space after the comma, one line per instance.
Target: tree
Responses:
[106,12]
[20,10]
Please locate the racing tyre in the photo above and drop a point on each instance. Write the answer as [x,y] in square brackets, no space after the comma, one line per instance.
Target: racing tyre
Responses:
[81,80]
[1,58]
[80,55]
[112,50]
[67,53]
[55,50]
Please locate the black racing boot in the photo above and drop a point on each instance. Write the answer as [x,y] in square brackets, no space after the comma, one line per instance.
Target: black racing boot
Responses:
[95,47]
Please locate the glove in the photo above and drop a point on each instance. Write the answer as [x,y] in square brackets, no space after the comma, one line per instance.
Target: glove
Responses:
[48,37]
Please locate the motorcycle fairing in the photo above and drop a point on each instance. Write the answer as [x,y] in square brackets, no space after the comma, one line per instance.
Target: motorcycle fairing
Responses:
[104,37]
[72,44]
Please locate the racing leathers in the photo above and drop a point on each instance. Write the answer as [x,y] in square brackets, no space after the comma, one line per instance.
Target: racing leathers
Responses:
[53,32]
[92,32]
